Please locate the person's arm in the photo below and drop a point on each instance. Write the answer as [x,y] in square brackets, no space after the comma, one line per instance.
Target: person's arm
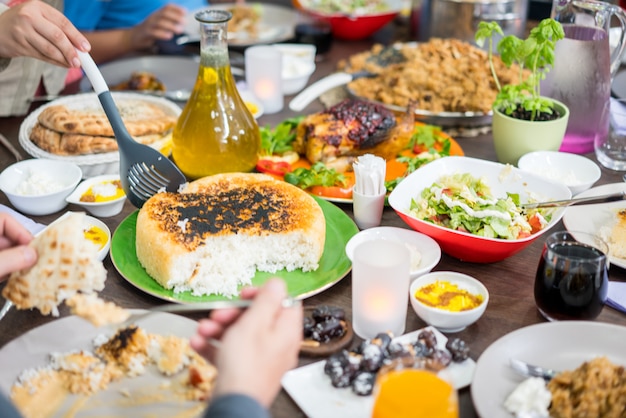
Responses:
[257,345]
[36,29]
[161,25]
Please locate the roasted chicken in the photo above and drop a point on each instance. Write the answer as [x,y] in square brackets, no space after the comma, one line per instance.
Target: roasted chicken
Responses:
[338,135]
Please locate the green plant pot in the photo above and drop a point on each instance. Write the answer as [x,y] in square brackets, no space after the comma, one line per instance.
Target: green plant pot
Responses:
[515,137]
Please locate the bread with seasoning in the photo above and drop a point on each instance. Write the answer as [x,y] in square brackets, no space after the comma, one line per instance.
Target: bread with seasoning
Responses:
[213,236]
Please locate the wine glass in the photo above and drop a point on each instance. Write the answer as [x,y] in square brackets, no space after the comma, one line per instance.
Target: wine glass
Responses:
[572,276]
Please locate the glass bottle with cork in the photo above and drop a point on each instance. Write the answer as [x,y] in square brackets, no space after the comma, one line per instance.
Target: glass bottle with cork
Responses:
[215,133]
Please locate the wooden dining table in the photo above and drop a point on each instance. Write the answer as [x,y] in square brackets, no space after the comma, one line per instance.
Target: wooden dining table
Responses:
[510,282]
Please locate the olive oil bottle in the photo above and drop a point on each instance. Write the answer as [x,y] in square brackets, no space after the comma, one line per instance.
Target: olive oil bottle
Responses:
[215,133]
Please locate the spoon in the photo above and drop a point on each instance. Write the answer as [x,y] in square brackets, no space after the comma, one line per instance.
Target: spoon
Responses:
[612,197]
[530,370]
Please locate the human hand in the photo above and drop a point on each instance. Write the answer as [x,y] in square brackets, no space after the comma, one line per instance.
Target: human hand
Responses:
[36,29]
[257,345]
[161,25]
[15,254]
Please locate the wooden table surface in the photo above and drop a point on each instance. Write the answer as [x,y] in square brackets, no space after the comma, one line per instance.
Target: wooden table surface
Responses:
[510,282]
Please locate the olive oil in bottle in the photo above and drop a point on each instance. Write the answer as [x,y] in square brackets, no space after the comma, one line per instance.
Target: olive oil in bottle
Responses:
[216,133]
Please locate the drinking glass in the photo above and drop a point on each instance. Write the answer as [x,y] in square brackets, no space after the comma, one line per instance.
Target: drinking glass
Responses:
[572,276]
[611,148]
[408,387]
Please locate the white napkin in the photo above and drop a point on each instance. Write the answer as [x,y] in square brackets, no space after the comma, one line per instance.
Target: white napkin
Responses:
[617,296]
[369,174]
[27,223]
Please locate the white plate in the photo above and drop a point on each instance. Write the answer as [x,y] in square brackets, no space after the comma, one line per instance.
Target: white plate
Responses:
[276,24]
[92,164]
[594,219]
[72,333]
[175,72]
[311,389]
[557,345]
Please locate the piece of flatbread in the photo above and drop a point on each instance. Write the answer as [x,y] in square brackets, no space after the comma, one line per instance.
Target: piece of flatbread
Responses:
[59,143]
[140,118]
[68,263]
[95,310]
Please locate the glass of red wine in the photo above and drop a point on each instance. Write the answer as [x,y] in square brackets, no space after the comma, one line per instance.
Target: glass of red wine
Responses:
[572,276]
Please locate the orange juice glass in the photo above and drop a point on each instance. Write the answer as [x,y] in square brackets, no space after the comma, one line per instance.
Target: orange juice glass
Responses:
[408,388]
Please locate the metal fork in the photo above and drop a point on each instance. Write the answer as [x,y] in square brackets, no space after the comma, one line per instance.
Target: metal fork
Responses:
[144,171]
[198,307]
[612,197]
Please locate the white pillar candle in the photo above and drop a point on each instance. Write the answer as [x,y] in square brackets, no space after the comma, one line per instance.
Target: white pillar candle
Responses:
[264,65]
[380,288]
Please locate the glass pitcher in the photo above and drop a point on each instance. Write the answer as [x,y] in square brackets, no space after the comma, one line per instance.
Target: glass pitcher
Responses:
[584,65]
[216,132]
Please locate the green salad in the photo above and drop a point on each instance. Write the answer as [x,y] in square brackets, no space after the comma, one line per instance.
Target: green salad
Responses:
[465,203]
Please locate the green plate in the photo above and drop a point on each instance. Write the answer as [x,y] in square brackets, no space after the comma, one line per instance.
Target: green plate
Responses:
[334,264]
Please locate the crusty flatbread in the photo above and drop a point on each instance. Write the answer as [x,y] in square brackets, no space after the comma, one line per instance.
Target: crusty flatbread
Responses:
[140,118]
[67,264]
[79,144]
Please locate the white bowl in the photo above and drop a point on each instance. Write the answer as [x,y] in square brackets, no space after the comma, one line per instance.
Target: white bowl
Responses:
[428,249]
[296,74]
[305,52]
[91,222]
[253,104]
[501,179]
[100,209]
[577,172]
[27,185]
[444,320]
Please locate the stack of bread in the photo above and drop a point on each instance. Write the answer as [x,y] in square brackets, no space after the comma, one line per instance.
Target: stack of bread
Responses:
[220,230]
[62,129]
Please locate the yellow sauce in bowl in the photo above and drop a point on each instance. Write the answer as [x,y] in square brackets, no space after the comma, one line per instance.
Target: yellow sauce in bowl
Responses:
[447,296]
[105,191]
[96,235]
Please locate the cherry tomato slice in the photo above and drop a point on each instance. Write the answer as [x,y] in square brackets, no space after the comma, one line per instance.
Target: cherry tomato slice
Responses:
[278,168]
[331,191]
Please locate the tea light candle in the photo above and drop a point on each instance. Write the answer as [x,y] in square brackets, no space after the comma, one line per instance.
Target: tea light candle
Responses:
[264,76]
[380,287]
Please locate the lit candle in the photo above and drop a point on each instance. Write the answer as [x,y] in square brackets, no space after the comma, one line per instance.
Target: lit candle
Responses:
[380,288]
[264,64]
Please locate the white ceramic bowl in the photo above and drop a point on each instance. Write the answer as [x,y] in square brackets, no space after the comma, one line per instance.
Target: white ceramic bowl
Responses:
[304,52]
[99,209]
[577,172]
[91,222]
[443,320]
[502,179]
[27,185]
[427,248]
[296,74]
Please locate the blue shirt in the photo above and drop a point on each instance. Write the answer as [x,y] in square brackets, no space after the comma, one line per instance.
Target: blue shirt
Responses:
[89,15]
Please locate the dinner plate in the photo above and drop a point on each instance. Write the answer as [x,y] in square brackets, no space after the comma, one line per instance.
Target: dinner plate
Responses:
[455,149]
[557,345]
[465,119]
[175,72]
[32,349]
[311,389]
[276,24]
[333,265]
[598,218]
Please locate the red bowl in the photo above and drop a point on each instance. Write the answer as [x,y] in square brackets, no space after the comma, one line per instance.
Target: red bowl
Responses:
[501,179]
[355,27]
